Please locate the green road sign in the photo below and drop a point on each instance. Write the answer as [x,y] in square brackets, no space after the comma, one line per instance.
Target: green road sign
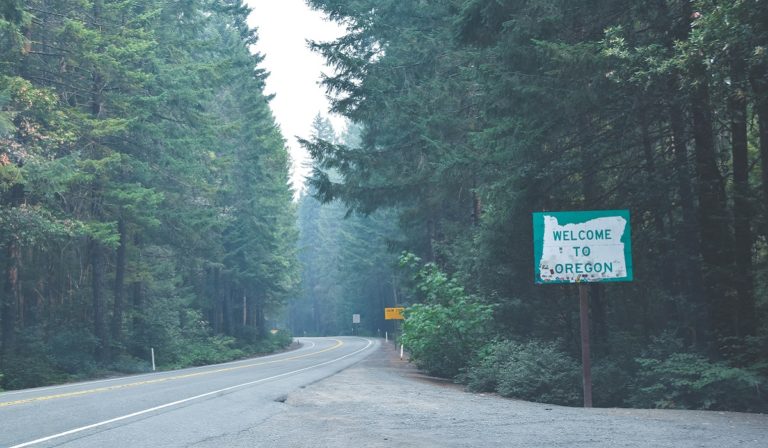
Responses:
[582,246]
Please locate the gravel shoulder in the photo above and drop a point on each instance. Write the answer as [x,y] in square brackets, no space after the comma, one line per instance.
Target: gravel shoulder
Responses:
[384,402]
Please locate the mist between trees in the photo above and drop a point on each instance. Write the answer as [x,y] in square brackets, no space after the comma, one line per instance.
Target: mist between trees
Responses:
[475,113]
[144,196]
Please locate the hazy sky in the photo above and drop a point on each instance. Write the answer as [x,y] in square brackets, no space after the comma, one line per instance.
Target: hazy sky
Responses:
[284,26]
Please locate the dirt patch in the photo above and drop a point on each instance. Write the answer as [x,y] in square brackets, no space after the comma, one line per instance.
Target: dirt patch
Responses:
[384,402]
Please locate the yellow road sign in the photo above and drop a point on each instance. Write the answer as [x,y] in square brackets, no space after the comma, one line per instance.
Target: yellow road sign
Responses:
[393,313]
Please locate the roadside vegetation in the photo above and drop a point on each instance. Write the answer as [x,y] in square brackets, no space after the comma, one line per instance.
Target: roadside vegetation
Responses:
[144,196]
[475,113]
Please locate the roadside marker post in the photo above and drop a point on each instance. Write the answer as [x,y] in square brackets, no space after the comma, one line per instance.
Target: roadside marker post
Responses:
[582,247]
[152,351]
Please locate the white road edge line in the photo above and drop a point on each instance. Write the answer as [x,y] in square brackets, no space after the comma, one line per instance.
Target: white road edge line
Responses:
[185,400]
[141,375]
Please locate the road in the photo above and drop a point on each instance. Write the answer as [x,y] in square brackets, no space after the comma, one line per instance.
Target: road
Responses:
[377,401]
[172,409]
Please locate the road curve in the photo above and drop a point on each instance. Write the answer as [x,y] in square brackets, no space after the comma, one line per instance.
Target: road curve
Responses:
[171,409]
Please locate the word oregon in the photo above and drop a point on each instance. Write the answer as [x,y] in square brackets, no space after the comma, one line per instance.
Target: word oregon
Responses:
[584,268]
[582,235]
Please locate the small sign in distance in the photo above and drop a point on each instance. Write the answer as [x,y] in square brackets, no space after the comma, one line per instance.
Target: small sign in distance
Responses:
[393,313]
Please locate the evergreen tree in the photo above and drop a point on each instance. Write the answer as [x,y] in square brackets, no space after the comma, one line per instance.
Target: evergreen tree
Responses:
[144,187]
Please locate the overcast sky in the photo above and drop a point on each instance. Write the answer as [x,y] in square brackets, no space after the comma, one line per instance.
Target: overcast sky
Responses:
[284,26]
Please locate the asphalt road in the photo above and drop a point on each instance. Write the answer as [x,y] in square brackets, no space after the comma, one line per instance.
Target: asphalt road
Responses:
[181,408]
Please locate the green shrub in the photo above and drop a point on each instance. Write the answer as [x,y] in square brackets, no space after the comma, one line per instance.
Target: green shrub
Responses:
[611,382]
[441,339]
[32,365]
[279,340]
[72,350]
[534,370]
[690,381]
[128,364]
[22,372]
[483,373]
[443,334]
[210,350]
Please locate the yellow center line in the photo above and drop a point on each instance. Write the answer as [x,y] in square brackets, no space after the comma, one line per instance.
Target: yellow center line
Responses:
[161,380]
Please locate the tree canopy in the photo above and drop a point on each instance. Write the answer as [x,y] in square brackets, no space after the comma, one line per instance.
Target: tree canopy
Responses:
[144,195]
[476,113]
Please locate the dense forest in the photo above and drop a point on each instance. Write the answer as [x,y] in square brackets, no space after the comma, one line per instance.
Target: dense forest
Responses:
[144,194]
[347,262]
[145,201]
[475,113]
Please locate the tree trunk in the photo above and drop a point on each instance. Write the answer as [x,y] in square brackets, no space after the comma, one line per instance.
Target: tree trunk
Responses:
[245,310]
[744,322]
[137,322]
[662,251]
[227,309]
[218,303]
[716,244]
[9,307]
[687,238]
[95,248]
[10,304]
[259,317]
[99,318]
[117,306]
[759,81]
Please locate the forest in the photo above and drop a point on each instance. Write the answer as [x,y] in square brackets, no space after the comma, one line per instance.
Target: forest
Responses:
[145,202]
[473,114]
[144,195]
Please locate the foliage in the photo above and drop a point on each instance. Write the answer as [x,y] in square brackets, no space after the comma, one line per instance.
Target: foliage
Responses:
[689,380]
[31,370]
[534,370]
[72,350]
[272,342]
[215,349]
[474,113]
[33,366]
[144,195]
[126,363]
[612,382]
[347,263]
[444,332]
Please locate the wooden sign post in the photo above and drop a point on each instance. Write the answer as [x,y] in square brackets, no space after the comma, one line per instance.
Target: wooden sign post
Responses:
[582,247]
[586,365]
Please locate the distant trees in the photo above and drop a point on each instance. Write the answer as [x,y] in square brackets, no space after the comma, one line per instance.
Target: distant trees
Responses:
[348,266]
[144,197]
[477,112]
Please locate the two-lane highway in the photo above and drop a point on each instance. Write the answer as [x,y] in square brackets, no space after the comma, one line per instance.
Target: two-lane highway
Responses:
[171,409]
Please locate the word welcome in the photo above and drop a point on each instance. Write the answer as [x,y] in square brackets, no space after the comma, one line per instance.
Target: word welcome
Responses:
[581,235]
[582,246]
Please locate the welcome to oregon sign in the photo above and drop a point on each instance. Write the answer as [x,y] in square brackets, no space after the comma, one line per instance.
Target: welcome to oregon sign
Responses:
[583,246]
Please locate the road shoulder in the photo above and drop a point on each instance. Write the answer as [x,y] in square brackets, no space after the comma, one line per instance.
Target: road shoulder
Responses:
[384,402]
